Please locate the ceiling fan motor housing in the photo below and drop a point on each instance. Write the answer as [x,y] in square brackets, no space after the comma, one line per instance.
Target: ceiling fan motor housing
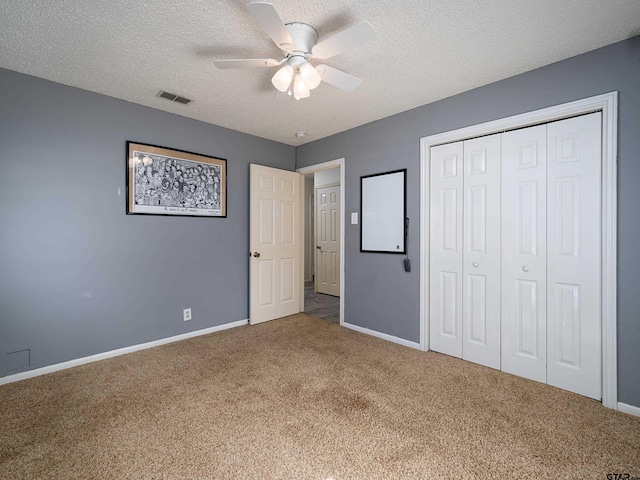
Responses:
[304,36]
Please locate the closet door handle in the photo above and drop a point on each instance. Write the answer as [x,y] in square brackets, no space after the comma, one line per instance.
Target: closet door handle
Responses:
[525,269]
[475,264]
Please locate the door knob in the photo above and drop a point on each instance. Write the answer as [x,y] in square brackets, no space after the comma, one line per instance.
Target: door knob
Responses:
[525,269]
[475,264]
[319,247]
[256,254]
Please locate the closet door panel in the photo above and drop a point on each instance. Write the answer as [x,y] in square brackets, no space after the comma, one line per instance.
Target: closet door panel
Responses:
[445,249]
[481,252]
[524,253]
[573,294]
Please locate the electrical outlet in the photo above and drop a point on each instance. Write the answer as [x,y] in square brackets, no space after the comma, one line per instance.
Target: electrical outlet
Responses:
[186,314]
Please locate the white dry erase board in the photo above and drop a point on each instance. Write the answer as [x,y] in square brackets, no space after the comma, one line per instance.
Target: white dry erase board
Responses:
[383,209]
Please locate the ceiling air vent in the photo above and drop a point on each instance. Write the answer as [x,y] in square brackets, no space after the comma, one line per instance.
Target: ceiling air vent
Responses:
[174,98]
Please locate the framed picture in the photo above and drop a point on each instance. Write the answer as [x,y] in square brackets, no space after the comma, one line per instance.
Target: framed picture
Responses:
[383,210]
[162,181]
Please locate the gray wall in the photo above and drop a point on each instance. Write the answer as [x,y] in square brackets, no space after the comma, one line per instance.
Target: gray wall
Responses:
[378,293]
[77,275]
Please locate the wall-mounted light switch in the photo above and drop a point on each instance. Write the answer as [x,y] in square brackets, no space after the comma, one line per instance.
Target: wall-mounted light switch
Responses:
[354,218]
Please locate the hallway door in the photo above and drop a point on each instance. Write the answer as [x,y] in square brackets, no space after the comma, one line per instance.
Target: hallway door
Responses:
[328,240]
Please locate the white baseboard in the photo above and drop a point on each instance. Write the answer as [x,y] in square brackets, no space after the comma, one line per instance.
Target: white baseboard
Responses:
[630,409]
[383,336]
[115,353]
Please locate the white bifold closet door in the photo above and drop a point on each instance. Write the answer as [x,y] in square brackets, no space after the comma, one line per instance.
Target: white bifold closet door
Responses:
[515,252]
[481,252]
[445,247]
[573,254]
[465,250]
[524,252]
[551,254]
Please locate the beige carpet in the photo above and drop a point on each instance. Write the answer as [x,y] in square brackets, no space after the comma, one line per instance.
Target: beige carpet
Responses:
[303,398]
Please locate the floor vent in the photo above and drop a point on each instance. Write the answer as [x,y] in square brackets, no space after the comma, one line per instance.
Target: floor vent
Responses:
[174,98]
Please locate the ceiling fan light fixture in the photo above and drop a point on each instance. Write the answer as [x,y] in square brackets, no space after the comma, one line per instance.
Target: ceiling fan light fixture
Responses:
[282,79]
[299,43]
[310,75]
[300,90]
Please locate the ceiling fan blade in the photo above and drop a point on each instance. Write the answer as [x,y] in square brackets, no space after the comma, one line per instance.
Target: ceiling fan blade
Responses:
[338,78]
[348,39]
[266,15]
[246,63]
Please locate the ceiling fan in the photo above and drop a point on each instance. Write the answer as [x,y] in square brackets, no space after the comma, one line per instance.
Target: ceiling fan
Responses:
[299,43]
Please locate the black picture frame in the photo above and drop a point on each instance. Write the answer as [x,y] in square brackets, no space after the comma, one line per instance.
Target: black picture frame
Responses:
[166,181]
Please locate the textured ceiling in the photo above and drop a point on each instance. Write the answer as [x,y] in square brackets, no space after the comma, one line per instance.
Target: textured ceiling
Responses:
[426,50]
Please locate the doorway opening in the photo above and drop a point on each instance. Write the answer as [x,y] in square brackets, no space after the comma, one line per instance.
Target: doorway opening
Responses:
[323,207]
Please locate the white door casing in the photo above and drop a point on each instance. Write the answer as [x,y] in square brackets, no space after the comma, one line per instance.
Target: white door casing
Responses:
[445,248]
[573,267]
[328,240]
[481,251]
[276,266]
[524,253]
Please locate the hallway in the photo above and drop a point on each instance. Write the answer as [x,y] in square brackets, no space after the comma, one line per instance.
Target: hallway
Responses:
[325,307]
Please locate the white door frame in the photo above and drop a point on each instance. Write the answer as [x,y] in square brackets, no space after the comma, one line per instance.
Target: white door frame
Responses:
[608,105]
[339,163]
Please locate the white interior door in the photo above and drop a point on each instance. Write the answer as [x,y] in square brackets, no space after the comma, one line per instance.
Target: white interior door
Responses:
[481,252]
[328,240]
[524,253]
[445,249]
[275,242]
[573,248]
